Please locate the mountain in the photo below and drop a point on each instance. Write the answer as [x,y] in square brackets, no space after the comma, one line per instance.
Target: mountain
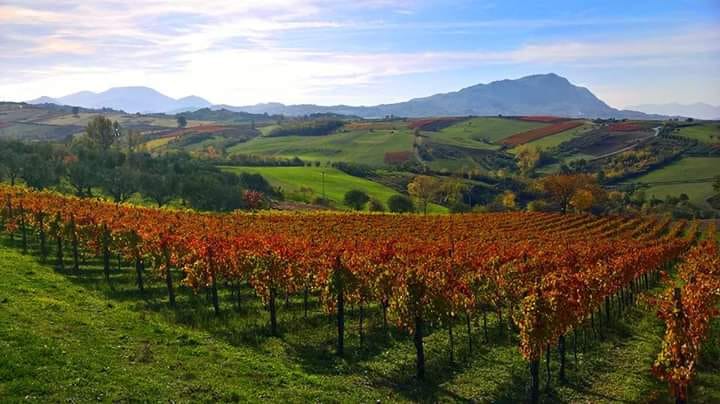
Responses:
[698,110]
[128,99]
[541,94]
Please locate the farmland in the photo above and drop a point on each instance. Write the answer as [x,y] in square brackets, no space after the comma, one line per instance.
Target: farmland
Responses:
[481,133]
[306,183]
[690,175]
[540,133]
[705,133]
[366,147]
[555,140]
[329,342]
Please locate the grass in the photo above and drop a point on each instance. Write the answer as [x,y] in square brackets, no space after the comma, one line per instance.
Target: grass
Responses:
[337,183]
[481,133]
[361,146]
[67,337]
[558,138]
[84,117]
[689,175]
[705,133]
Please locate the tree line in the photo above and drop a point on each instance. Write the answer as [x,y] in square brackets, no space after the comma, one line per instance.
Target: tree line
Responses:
[96,164]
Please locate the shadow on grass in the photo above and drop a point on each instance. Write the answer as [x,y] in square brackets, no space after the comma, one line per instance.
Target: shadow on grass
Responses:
[310,342]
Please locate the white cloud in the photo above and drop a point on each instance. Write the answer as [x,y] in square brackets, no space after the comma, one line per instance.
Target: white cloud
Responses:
[233,52]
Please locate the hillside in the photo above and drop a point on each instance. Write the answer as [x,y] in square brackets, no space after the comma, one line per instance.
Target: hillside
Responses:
[70,336]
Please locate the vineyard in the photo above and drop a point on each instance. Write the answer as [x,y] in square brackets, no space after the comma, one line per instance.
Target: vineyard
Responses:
[545,276]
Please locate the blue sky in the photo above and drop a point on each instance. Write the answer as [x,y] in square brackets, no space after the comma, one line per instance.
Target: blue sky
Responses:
[359,52]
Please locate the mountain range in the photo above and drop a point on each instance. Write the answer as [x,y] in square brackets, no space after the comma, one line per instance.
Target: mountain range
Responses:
[128,99]
[698,110]
[541,94]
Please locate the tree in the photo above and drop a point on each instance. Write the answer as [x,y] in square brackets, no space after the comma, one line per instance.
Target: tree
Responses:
[424,188]
[82,174]
[561,188]
[181,121]
[356,199]
[582,200]
[376,206]
[39,171]
[76,111]
[120,182]
[161,188]
[528,158]
[400,204]
[102,132]
[11,155]
[508,200]
[451,192]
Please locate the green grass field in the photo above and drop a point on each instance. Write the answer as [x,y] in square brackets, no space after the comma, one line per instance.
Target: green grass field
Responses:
[362,146]
[337,183]
[69,337]
[672,179]
[706,133]
[558,138]
[481,133]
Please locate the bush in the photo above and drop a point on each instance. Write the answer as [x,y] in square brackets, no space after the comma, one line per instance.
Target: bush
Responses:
[307,128]
[400,204]
[356,199]
[376,206]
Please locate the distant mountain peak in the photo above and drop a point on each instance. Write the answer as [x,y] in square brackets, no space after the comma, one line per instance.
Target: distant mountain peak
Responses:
[129,99]
[537,94]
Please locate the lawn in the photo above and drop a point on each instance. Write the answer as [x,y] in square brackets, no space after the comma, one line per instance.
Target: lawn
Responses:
[481,133]
[360,146]
[690,175]
[69,337]
[337,183]
[705,133]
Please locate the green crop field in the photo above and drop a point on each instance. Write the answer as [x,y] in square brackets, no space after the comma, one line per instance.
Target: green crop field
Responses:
[362,146]
[481,133]
[558,138]
[337,183]
[706,133]
[69,337]
[679,177]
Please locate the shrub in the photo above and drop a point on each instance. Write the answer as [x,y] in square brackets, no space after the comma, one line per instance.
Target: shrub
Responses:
[400,204]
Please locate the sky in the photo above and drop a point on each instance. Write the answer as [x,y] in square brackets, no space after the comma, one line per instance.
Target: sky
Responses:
[362,52]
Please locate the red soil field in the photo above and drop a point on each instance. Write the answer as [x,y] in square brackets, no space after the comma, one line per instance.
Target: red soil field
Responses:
[398,157]
[542,118]
[433,124]
[539,133]
[625,127]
